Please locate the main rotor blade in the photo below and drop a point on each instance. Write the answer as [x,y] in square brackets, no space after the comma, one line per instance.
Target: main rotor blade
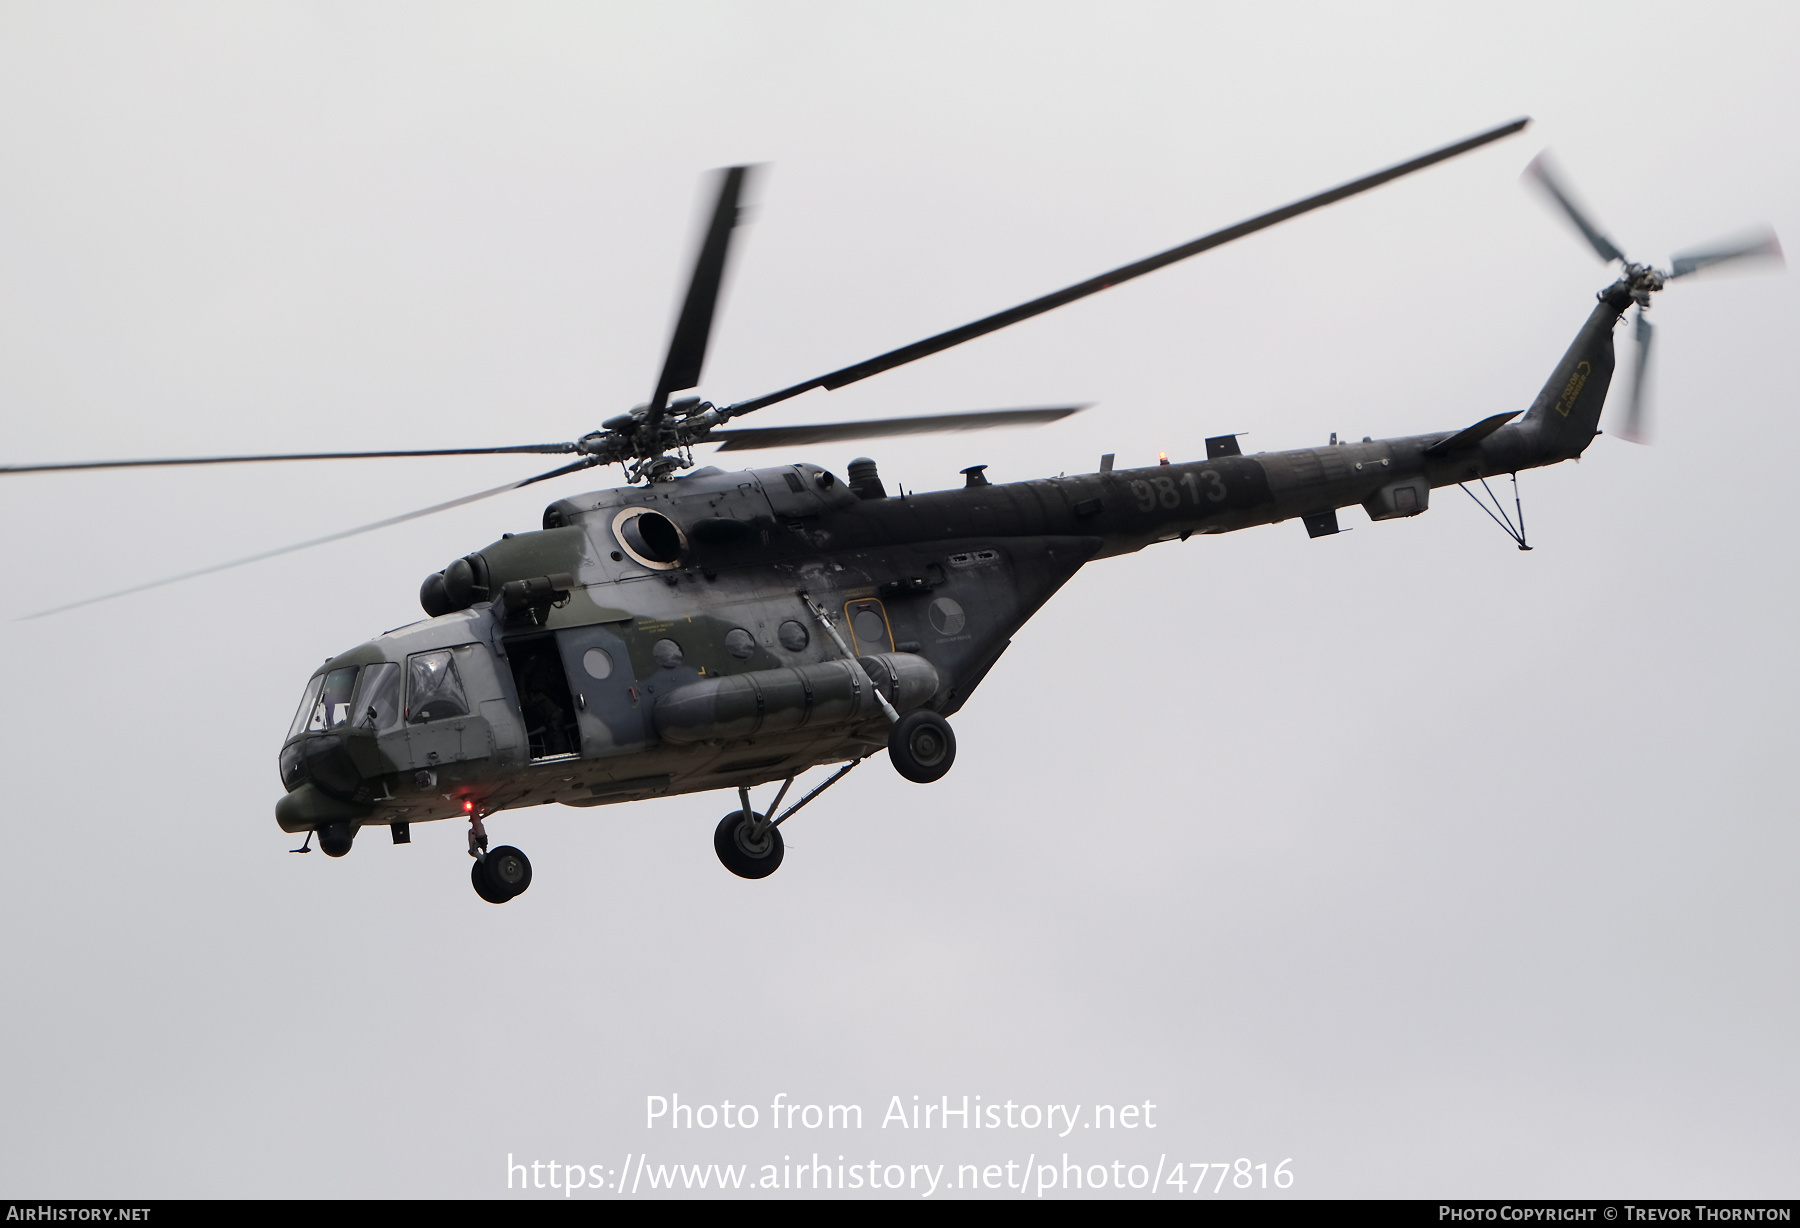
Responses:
[687,348]
[1037,306]
[927,424]
[583,463]
[1540,173]
[1636,428]
[1762,245]
[535,448]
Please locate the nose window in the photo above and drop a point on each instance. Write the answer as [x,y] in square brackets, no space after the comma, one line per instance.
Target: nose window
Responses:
[308,702]
[332,707]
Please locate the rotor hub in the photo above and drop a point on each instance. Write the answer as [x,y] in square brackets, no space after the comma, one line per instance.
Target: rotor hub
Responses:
[1635,286]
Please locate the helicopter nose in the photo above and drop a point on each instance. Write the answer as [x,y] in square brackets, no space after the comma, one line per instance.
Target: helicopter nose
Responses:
[323,759]
[309,808]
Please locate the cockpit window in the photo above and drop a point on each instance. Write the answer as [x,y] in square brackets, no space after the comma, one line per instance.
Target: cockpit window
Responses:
[308,702]
[378,700]
[333,705]
[434,689]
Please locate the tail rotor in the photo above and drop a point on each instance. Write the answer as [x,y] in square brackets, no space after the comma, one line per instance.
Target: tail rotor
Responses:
[1637,282]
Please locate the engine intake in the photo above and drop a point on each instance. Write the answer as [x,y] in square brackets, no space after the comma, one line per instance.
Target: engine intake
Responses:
[457,587]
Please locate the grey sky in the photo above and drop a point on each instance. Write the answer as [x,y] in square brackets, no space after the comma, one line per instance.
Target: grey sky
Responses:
[1440,868]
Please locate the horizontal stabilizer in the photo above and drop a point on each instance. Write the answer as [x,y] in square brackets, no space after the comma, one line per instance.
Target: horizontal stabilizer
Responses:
[1468,437]
[1321,524]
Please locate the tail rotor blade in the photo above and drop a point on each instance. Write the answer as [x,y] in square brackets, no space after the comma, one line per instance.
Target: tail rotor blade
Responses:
[1637,427]
[1541,173]
[1759,245]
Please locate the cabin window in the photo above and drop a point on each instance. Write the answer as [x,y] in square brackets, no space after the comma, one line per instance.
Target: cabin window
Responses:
[434,689]
[869,627]
[377,704]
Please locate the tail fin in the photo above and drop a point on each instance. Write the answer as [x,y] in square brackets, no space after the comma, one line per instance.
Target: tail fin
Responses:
[1566,414]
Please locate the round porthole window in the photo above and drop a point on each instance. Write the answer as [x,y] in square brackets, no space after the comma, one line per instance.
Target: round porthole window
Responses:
[667,653]
[740,643]
[597,662]
[871,629]
[792,636]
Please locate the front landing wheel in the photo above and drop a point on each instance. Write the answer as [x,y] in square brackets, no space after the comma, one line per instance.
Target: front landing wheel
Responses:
[922,746]
[501,875]
[744,853]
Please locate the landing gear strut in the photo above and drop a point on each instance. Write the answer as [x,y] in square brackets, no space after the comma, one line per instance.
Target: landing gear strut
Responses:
[749,843]
[498,875]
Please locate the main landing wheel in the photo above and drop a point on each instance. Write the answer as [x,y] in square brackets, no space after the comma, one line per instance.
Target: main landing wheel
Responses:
[504,873]
[744,854]
[922,746]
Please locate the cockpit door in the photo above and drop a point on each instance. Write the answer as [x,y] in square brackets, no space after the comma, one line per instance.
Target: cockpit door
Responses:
[610,706]
[545,704]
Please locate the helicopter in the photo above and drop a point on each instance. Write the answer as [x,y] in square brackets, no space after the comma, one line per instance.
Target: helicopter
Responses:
[697,629]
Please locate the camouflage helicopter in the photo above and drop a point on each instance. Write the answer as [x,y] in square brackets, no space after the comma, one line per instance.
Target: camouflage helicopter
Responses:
[699,629]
